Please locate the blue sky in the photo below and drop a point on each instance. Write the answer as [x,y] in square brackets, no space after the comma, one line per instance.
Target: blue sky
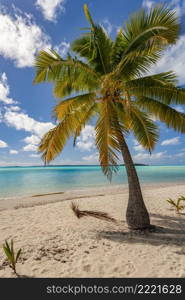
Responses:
[25,109]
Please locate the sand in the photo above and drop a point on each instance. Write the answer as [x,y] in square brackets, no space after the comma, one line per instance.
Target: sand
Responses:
[57,244]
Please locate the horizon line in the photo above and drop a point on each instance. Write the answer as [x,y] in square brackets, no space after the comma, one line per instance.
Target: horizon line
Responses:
[92,165]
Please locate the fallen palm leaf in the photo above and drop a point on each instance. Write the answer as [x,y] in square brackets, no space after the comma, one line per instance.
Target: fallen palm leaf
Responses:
[88,213]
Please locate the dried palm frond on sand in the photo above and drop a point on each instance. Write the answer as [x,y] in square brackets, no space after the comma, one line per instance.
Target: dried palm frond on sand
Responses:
[88,213]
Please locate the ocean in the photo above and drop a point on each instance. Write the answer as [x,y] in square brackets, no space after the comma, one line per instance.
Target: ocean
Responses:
[19,181]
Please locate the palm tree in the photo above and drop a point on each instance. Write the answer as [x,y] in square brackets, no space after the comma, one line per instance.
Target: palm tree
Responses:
[108,81]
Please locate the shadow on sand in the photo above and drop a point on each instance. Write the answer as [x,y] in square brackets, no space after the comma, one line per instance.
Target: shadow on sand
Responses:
[170,230]
[24,276]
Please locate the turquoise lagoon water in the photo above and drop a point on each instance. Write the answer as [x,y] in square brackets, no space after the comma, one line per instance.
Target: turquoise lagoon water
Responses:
[18,181]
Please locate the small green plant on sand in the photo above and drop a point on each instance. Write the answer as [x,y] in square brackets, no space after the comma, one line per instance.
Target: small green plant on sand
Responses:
[182,198]
[177,205]
[11,255]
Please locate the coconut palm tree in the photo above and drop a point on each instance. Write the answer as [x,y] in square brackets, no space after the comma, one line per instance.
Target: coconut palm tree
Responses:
[109,81]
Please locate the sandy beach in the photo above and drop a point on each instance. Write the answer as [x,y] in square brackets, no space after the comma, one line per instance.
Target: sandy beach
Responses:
[57,244]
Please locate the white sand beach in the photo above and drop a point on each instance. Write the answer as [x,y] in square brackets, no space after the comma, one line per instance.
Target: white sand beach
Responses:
[57,244]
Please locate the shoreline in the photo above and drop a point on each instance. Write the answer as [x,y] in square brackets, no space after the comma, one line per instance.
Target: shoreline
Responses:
[86,192]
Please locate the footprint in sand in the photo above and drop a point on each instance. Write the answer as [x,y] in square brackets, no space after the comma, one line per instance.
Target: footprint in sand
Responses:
[87,268]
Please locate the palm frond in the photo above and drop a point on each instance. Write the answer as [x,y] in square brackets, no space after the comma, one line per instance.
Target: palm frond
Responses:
[108,137]
[144,129]
[91,213]
[161,87]
[47,65]
[143,38]
[73,115]
[160,26]
[165,79]
[137,121]
[54,140]
[136,63]
[51,67]
[73,104]
[168,95]
[89,113]
[118,49]
[78,82]
[88,15]
[95,46]
[171,117]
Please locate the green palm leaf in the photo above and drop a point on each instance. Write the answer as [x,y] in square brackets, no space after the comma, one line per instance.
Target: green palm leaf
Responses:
[95,46]
[144,129]
[72,119]
[54,141]
[171,117]
[73,104]
[50,67]
[139,44]
[159,26]
[108,137]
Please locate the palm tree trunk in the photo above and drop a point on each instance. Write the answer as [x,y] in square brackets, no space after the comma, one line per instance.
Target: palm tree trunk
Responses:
[137,215]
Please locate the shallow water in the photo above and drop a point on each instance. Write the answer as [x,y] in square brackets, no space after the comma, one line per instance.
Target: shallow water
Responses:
[18,181]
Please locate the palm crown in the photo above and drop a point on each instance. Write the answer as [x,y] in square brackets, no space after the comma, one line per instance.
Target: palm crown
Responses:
[108,79]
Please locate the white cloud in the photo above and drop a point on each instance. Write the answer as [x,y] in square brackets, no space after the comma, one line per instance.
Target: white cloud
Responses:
[107,25]
[135,142]
[5,90]
[181,154]
[85,146]
[173,59]
[175,5]
[21,38]
[178,6]
[50,8]
[147,4]
[62,48]
[179,108]
[86,140]
[3,144]
[17,163]
[15,108]
[70,162]
[146,157]
[92,158]
[32,139]
[138,148]
[35,155]
[13,151]
[14,117]
[173,141]
[29,148]
[21,121]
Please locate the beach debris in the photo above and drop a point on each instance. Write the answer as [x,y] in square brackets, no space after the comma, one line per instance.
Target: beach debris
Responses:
[91,213]
[12,257]
[177,205]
